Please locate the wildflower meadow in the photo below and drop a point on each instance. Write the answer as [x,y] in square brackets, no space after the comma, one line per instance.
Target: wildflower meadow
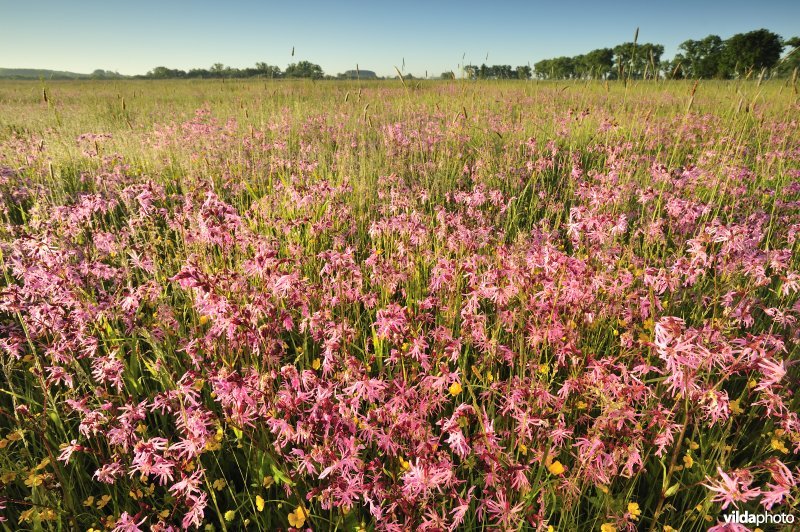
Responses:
[399,305]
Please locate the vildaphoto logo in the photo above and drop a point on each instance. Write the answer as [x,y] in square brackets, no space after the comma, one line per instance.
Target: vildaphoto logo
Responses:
[765,518]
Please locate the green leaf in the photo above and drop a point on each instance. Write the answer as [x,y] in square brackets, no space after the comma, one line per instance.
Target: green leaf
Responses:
[279,475]
[672,490]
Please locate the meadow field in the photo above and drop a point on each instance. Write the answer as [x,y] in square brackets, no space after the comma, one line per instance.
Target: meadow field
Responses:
[247,305]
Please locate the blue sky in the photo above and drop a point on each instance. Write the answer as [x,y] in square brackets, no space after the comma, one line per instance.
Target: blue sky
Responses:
[133,37]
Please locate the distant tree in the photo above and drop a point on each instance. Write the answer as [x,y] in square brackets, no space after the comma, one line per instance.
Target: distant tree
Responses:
[503,72]
[599,63]
[563,68]
[543,68]
[448,75]
[162,72]
[791,61]
[752,51]
[471,71]
[523,72]
[198,73]
[634,60]
[267,71]
[703,59]
[217,69]
[674,69]
[304,69]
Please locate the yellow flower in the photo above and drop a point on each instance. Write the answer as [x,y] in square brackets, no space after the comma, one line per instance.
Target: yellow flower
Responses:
[550,528]
[89,500]
[163,514]
[16,435]
[556,468]
[34,480]
[688,461]
[230,515]
[404,465]
[693,446]
[259,503]
[203,320]
[315,364]
[103,502]
[297,518]
[267,482]
[608,527]
[735,408]
[523,449]
[634,510]
[8,477]
[581,405]
[603,488]
[455,389]
[219,484]
[778,445]
[668,528]
[27,515]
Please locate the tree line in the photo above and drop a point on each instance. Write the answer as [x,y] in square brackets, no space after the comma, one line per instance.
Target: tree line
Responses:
[712,57]
[301,69]
[495,72]
[741,55]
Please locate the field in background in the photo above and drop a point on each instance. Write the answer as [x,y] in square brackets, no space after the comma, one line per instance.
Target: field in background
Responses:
[386,305]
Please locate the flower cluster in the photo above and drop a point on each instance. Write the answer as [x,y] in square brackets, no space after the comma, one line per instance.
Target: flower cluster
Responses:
[420,318]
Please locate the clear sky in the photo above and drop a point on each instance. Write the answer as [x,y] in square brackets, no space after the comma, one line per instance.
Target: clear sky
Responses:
[132,37]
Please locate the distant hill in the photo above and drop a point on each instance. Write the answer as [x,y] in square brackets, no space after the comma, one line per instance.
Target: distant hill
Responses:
[40,73]
[359,74]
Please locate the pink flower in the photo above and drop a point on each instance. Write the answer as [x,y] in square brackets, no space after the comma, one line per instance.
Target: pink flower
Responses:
[68,450]
[197,505]
[128,523]
[732,489]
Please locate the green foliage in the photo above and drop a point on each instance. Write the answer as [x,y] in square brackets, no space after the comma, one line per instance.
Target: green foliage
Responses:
[304,69]
[637,61]
[790,63]
[752,52]
[703,59]
[497,72]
